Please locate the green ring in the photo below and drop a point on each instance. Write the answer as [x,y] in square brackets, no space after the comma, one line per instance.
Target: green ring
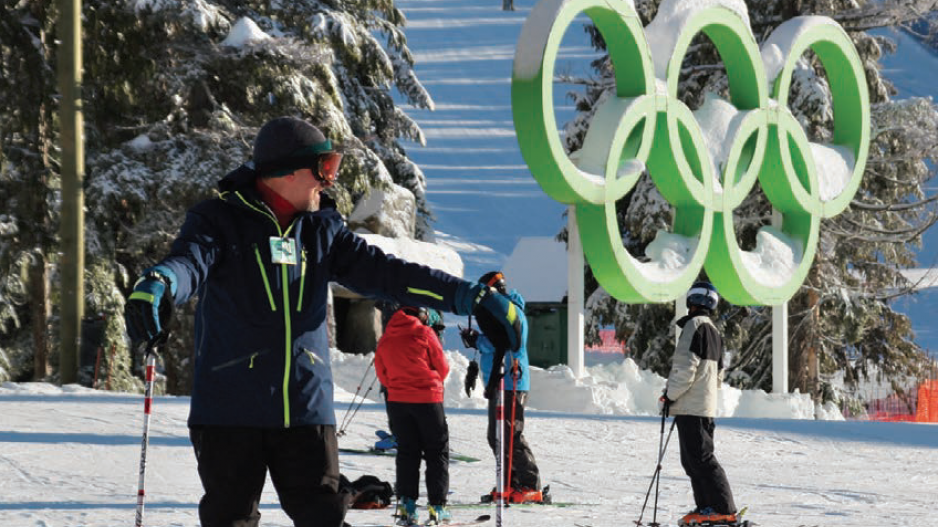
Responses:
[656,129]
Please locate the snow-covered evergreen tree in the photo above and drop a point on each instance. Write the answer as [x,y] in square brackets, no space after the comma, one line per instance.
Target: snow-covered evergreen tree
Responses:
[174,93]
[841,318]
[28,185]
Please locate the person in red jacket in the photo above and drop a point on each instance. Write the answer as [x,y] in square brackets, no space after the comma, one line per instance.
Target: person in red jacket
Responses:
[410,363]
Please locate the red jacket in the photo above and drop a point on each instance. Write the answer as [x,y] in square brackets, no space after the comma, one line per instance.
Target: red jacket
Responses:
[410,361]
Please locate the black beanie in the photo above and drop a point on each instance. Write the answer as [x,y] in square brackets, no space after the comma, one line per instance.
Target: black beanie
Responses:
[284,138]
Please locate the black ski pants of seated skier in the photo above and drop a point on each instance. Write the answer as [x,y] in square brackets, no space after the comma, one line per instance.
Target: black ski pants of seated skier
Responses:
[304,466]
[524,471]
[707,478]
[421,432]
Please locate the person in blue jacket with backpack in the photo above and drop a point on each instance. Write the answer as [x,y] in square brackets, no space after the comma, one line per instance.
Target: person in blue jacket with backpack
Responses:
[523,484]
[260,257]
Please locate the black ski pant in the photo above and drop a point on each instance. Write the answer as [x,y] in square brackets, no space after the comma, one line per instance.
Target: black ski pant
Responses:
[421,432]
[303,464]
[707,478]
[524,471]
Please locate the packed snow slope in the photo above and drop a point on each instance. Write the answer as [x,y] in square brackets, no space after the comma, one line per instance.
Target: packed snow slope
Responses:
[69,457]
[479,187]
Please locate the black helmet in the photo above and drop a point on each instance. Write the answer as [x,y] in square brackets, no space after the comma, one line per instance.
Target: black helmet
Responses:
[703,294]
[495,279]
[421,313]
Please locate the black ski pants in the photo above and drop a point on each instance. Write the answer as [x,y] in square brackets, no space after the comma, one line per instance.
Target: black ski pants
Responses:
[421,432]
[524,471]
[707,478]
[303,464]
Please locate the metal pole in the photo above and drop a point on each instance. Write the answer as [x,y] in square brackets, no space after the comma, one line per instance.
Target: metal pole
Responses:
[73,167]
[779,334]
[575,304]
[780,348]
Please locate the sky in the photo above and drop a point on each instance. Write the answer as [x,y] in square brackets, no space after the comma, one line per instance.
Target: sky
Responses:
[69,456]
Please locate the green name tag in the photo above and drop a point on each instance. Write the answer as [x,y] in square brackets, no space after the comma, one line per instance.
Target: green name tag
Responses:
[283,250]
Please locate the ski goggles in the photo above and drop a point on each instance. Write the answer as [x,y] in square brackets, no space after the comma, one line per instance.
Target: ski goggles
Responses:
[327,169]
[496,278]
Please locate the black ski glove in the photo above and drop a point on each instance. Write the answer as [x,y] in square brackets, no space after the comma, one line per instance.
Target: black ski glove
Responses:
[491,389]
[471,375]
[150,306]
[665,404]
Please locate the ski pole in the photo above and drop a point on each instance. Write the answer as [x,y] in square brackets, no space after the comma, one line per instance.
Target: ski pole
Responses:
[500,458]
[147,408]
[514,408]
[662,447]
[360,403]
[346,419]
[358,388]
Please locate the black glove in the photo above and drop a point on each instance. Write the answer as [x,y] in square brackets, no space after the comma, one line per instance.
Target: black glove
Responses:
[471,375]
[665,404]
[150,306]
[499,318]
[494,384]
[470,338]
[491,389]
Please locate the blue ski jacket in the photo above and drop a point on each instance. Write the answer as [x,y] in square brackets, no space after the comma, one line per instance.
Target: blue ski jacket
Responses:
[487,351]
[261,348]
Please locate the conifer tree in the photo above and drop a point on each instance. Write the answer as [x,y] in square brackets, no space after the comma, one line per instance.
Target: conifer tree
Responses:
[174,93]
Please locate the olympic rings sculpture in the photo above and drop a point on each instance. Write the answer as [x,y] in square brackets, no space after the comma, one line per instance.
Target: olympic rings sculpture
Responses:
[754,135]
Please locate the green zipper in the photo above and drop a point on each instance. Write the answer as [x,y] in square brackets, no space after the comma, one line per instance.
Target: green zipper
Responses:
[289,351]
[260,265]
[299,301]
[288,359]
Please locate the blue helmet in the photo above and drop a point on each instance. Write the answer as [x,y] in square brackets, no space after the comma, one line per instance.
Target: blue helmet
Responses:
[703,294]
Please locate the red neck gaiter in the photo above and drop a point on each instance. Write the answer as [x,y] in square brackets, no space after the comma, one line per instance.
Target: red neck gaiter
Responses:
[282,209]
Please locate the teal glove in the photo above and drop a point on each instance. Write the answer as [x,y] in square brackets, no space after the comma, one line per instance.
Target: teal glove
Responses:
[150,306]
[498,317]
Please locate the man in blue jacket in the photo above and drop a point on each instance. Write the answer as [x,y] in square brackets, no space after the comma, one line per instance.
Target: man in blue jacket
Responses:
[260,258]
[524,483]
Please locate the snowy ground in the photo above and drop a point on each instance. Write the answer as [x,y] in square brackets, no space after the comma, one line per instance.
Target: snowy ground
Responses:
[69,458]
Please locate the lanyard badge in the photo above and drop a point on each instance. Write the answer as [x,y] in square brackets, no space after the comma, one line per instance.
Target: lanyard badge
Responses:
[282,250]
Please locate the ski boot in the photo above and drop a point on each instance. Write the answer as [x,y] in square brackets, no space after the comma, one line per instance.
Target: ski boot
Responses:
[492,497]
[385,442]
[439,514]
[406,514]
[526,495]
[707,517]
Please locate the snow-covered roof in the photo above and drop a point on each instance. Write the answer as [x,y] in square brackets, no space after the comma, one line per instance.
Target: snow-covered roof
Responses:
[537,268]
[430,254]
